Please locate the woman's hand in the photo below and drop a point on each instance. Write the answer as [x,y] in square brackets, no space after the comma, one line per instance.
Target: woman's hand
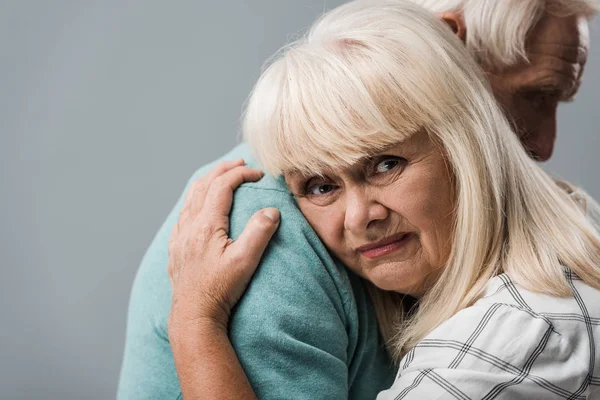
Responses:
[209,271]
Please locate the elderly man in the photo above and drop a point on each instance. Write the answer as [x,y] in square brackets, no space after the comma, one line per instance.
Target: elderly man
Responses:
[306,327]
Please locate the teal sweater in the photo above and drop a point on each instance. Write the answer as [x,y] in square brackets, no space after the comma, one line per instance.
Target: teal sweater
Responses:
[305,328]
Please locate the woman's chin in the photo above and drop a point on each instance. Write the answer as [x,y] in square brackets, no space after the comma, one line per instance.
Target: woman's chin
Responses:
[395,281]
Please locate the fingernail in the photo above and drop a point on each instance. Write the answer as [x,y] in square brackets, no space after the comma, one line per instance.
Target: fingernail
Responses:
[272,214]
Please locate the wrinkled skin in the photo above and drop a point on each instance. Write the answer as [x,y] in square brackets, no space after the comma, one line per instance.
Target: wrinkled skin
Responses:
[530,92]
[405,191]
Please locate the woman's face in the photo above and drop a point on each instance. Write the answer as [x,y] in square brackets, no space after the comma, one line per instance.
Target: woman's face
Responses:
[388,218]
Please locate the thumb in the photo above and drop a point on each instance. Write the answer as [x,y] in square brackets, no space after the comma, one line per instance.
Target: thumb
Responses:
[253,241]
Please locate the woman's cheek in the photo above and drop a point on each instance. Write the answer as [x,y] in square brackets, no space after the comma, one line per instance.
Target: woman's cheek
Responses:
[326,222]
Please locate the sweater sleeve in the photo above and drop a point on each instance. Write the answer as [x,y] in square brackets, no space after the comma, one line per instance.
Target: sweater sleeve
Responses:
[290,329]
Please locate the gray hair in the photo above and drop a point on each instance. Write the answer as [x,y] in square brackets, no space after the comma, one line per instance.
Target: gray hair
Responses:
[497,29]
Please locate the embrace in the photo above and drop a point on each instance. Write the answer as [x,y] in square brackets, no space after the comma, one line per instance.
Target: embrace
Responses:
[403,243]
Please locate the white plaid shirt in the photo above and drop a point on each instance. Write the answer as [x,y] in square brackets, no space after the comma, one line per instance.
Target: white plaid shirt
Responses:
[511,344]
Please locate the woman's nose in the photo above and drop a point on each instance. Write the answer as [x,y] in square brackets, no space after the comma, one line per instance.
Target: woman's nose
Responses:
[362,211]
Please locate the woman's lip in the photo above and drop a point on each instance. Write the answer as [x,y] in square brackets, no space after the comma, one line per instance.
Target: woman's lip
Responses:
[384,246]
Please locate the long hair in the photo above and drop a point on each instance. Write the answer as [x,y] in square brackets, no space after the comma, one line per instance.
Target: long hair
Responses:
[374,72]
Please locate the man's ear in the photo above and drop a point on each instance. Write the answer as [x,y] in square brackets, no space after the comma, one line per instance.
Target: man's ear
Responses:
[456,22]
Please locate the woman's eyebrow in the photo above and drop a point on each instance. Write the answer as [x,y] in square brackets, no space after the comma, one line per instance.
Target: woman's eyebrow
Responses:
[405,146]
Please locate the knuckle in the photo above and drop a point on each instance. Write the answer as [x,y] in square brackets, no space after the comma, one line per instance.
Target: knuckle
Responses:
[220,184]
[221,167]
[196,183]
[199,187]
[222,180]
[236,258]
[206,231]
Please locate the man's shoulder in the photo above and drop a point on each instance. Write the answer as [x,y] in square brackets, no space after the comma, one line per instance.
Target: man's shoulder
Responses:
[295,243]
[301,308]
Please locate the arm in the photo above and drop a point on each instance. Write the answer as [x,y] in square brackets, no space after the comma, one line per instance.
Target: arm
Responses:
[297,313]
[148,369]
[209,272]
[209,346]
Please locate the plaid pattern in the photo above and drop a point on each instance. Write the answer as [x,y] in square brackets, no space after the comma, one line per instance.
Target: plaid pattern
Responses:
[511,344]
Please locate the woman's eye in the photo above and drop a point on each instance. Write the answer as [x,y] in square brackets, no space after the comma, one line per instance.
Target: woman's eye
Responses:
[386,165]
[318,190]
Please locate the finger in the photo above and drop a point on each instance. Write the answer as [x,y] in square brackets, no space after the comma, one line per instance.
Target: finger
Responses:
[217,204]
[253,241]
[223,167]
[195,196]
[218,170]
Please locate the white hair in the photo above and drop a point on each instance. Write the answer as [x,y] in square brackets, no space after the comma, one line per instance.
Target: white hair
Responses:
[374,72]
[497,29]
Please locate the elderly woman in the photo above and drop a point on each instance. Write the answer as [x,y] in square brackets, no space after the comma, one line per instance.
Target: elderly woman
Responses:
[486,273]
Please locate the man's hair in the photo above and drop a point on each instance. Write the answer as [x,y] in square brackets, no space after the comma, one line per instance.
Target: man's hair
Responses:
[374,72]
[497,29]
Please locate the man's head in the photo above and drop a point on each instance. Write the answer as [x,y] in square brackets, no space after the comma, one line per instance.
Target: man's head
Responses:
[533,52]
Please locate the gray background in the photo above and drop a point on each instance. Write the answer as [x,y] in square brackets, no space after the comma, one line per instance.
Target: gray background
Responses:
[106,109]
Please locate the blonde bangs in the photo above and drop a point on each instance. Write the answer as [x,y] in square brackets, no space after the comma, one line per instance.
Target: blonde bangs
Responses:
[325,106]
